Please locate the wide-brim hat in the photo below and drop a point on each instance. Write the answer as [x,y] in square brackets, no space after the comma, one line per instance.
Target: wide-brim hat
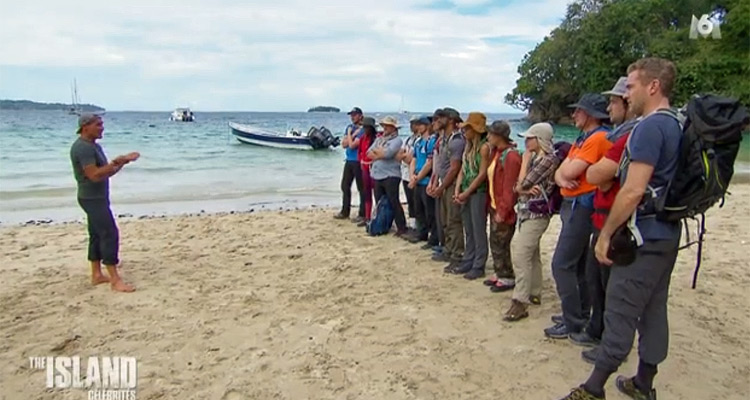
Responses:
[368,121]
[477,121]
[620,88]
[594,104]
[500,128]
[389,120]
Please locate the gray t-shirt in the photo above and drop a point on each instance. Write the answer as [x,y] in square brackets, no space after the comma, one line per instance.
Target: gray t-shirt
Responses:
[387,167]
[450,149]
[83,153]
[408,145]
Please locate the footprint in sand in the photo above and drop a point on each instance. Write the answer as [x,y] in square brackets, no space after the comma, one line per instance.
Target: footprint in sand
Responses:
[232,395]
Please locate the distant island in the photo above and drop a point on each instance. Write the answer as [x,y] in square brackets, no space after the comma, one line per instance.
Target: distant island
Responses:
[17,105]
[324,109]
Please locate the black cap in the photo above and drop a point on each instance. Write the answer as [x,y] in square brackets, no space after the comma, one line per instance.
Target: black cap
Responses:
[594,104]
[439,113]
[452,114]
[355,110]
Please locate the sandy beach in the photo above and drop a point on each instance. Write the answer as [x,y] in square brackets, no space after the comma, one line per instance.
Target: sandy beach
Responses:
[297,305]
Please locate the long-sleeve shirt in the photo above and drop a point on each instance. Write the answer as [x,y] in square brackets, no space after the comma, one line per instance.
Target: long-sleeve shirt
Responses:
[541,172]
[502,176]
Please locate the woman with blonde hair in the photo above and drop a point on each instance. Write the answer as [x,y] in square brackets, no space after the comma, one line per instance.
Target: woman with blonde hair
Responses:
[471,194]
[536,183]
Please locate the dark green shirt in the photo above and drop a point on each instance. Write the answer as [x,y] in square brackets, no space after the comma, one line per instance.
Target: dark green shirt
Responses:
[83,153]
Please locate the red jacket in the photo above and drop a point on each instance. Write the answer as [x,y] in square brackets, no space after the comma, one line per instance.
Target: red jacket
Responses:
[503,182]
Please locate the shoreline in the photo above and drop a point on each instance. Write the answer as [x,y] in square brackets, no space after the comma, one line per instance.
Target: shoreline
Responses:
[136,211]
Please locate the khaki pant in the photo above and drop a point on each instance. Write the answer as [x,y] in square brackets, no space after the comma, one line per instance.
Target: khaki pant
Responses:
[453,230]
[527,259]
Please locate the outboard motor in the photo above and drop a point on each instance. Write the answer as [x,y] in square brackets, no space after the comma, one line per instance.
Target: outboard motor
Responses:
[322,138]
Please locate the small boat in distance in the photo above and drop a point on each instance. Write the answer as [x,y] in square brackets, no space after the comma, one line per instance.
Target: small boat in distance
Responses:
[315,139]
[75,101]
[182,115]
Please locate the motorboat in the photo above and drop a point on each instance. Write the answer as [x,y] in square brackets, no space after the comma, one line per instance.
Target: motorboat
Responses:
[182,115]
[315,139]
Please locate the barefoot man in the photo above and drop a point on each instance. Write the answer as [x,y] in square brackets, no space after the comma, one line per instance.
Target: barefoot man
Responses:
[92,172]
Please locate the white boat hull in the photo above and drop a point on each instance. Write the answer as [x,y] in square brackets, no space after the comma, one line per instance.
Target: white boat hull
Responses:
[264,143]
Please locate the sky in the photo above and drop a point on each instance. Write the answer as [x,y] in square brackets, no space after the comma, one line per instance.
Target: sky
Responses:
[279,55]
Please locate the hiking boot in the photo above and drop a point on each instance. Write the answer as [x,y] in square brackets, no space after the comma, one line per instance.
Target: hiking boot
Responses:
[340,216]
[557,319]
[580,393]
[363,223]
[357,220]
[582,338]
[627,387]
[474,274]
[558,331]
[426,246]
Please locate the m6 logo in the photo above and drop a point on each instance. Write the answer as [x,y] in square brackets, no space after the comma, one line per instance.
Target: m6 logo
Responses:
[704,27]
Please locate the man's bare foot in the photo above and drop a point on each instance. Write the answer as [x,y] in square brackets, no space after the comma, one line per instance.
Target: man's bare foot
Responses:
[120,286]
[97,280]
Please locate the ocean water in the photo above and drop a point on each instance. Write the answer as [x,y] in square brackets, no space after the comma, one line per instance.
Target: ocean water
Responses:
[184,167]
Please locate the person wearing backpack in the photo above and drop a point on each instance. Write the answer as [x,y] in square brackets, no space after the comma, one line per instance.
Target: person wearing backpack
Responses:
[502,176]
[569,259]
[535,185]
[603,174]
[471,195]
[638,290]
[386,169]
[420,171]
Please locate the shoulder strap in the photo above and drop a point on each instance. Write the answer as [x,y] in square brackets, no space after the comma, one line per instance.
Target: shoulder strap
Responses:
[504,155]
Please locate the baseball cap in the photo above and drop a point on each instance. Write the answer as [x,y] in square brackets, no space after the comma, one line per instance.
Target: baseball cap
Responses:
[452,114]
[85,119]
[355,110]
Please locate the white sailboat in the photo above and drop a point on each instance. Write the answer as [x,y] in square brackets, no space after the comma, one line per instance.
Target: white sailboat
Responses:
[75,105]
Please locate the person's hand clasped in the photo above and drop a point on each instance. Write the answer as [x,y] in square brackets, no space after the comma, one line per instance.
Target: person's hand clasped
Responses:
[601,250]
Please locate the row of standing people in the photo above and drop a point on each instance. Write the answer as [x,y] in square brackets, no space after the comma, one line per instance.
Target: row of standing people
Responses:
[464,172]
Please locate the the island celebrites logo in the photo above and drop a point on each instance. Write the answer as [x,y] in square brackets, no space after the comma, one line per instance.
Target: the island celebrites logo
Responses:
[105,378]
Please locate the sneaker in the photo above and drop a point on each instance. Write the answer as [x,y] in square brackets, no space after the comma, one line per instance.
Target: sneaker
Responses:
[474,274]
[363,223]
[441,257]
[557,319]
[340,216]
[558,331]
[582,338]
[460,269]
[426,246]
[357,220]
[450,267]
[627,387]
[503,285]
[580,393]
[590,355]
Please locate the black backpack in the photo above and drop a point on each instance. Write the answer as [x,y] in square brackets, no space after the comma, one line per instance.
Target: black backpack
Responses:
[712,131]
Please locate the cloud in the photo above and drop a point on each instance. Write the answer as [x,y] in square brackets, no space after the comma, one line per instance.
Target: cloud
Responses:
[281,55]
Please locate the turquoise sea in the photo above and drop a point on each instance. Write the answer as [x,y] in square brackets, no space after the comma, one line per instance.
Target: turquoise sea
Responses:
[184,167]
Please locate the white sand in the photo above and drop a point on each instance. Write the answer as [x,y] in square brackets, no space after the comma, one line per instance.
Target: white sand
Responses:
[296,305]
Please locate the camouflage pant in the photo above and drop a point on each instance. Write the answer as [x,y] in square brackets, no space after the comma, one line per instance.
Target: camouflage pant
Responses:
[500,238]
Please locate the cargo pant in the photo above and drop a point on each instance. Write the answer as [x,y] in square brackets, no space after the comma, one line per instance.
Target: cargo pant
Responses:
[453,230]
[501,236]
